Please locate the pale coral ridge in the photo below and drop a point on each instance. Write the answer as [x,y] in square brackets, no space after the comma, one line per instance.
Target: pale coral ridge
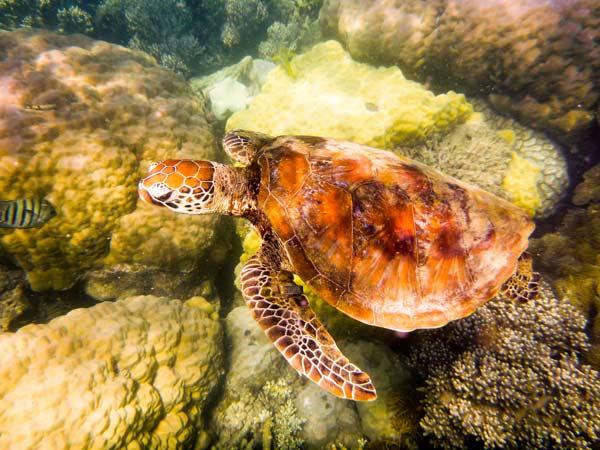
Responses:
[324,92]
[538,59]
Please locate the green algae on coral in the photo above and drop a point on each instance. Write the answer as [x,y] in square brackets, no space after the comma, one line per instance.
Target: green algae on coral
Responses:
[284,57]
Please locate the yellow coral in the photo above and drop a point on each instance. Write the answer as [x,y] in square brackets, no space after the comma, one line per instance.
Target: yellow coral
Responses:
[520,182]
[334,96]
[136,373]
[80,120]
[508,135]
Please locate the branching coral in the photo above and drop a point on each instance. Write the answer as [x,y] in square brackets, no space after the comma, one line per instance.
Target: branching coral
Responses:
[163,28]
[538,59]
[71,16]
[136,373]
[510,376]
[295,30]
[80,121]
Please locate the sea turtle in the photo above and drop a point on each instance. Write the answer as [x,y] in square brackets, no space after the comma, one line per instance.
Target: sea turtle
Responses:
[384,239]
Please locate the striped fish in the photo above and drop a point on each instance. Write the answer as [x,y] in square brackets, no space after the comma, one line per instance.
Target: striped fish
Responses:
[25,213]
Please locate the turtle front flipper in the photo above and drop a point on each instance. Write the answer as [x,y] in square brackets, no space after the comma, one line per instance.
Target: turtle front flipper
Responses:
[524,284]
[283,312]
[242,145]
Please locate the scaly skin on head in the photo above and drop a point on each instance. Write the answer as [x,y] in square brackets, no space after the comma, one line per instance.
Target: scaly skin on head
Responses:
[198,187]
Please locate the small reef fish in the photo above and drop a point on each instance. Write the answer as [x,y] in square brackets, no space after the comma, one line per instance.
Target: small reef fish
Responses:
[25,213]
[41,107]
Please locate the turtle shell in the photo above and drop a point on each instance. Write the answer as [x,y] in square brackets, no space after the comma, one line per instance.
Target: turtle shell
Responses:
[387,240]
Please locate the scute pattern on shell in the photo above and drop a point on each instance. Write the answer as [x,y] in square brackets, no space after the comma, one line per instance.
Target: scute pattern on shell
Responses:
[386,240]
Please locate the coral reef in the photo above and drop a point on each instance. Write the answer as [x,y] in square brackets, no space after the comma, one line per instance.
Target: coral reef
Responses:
[510,376]
[13,300]
[127,280]
[392,419]
[537,59]
[231,88]
[70,16]
[162,28]
[136,373]
[337,97]
[76,109]
[188,36]
[521,165]
[257,401]
[569,256]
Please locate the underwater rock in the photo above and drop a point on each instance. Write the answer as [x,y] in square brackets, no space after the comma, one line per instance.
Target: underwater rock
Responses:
[537,59]
[13,300]
[136,373]
[257,403]
[521,165]
[266,401]
[510,376]
[323,92]
[392,419]
[80,121]
[125,280]
[328,420]
[231,88]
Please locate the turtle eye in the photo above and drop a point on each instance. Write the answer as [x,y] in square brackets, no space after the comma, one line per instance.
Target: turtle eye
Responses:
[152,166]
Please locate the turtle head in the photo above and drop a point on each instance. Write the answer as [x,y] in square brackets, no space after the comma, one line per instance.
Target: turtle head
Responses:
[191,186]
[182,185]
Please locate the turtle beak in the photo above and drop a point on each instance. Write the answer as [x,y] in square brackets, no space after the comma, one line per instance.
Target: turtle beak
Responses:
[145,195]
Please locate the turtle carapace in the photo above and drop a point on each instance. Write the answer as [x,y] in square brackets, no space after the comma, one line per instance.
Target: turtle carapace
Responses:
[384,239]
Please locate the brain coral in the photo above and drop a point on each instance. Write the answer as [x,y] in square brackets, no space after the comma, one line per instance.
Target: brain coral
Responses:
[510,376]
[80,120]
[538,59]
[521,165]
[331,95]
[136,373]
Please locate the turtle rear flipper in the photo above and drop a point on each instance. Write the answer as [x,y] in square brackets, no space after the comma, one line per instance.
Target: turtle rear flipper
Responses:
[524,284]
[283,312]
